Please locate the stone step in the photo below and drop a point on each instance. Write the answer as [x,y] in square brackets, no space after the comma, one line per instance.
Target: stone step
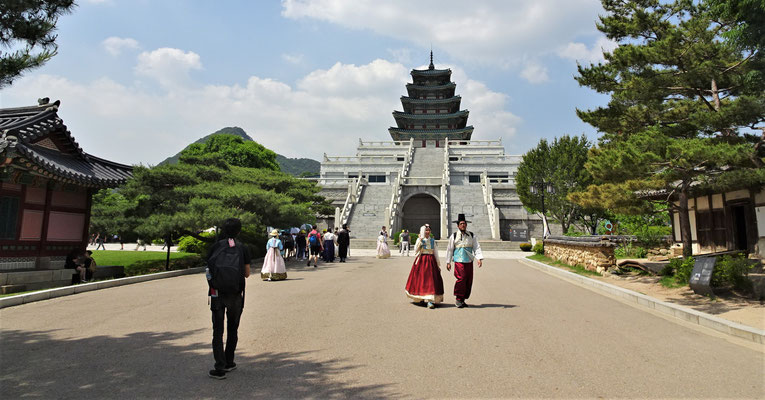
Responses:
[427,162]
[8,289]
[368,215]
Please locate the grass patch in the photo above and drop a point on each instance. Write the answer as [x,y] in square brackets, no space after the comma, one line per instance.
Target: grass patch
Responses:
[670,282]
[126,258]
[577,269]
[18,293]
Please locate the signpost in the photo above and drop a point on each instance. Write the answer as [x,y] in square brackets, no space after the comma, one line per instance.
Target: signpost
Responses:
[519,234]
[701,277]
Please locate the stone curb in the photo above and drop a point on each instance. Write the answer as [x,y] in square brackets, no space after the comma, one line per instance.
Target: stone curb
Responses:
[86,287]
[695,317]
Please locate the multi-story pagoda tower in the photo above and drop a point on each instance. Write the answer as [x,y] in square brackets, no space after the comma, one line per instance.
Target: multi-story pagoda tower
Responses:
[432,171]
[431,110]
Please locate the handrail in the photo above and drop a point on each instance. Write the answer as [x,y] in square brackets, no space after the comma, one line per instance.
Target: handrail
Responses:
[445,192]
[474,143]
[361,159]
[354,193]
[488,198]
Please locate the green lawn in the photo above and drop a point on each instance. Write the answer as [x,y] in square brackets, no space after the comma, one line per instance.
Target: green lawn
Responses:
[126,258]
[577,269]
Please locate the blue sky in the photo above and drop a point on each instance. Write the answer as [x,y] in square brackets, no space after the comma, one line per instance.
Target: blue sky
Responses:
[138,80]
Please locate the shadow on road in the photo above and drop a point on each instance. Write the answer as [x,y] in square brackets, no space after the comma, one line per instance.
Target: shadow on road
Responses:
[154,365]
[492,306]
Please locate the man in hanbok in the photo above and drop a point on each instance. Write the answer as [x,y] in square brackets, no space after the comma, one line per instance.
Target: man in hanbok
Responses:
[463,248]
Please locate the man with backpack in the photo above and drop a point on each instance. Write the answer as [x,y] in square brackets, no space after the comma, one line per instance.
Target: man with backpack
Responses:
[313,240]
[463,248]
[228,265]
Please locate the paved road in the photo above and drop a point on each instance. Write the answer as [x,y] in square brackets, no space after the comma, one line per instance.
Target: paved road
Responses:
[347,331]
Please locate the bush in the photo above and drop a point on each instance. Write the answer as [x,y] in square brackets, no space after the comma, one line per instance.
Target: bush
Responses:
[630,251]
[539,248]
[732,270]
[572,231]
[395,238]
[683,268]
[525,246]
[191,244]
[668,270]
[652,236]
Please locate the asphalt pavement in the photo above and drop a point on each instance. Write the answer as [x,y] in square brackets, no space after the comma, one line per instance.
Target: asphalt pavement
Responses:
[348,331]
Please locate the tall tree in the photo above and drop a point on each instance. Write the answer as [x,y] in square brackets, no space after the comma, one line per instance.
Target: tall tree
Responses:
[556,170]
[215,181]
[28,26]
[682,99]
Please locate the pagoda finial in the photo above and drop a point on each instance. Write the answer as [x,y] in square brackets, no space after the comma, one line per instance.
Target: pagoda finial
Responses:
[431,66]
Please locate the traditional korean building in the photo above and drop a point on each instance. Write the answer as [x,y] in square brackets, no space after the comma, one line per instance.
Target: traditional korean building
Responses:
[46,184]
[430,172]
[725,221]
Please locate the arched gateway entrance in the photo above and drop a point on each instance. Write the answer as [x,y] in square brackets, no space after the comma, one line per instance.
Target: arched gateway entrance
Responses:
[419,210]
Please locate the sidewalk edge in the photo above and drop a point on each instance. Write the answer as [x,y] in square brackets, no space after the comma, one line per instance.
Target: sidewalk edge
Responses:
[86,287]
[696,317]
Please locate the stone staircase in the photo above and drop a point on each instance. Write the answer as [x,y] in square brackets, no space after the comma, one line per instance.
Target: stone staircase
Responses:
[427,162]
[468,200]
[368,215]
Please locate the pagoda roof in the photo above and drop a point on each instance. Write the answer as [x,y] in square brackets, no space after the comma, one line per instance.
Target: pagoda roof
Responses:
[405,134]
[431,72]
[449,85]
[430,101]
[399,114]
[35,138]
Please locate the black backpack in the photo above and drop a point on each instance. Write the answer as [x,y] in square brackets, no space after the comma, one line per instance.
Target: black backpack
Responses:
[225,266]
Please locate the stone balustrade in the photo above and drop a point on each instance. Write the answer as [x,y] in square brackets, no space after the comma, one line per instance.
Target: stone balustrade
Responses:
[594,253]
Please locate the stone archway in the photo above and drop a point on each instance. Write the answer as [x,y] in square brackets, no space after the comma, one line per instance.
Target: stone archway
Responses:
[419,210]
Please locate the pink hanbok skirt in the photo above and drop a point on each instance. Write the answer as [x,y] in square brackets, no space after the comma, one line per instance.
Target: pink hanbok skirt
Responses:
[273,266]
[382,249]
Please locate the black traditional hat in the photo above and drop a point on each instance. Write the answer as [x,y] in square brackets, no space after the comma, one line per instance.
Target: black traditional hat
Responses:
[460,218]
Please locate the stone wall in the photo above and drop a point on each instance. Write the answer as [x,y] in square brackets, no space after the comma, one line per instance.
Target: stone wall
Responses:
[595,253]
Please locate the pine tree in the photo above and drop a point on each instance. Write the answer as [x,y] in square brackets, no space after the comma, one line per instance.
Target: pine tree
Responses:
[683,98]
[30,26]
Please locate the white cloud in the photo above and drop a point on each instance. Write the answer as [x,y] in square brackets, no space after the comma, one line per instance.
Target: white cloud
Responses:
[114,45]
[535,73]
[497,32]
[293,58]
[170,67]
[579,52]
[403,56]
[327,111]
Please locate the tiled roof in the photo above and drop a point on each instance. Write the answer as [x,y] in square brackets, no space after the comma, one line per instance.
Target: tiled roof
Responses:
[435,87]
[431,72]
[458,114]
[413,100]
[22,127]
[405,134]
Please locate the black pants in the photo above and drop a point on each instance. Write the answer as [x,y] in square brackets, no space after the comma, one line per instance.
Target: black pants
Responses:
[230,308]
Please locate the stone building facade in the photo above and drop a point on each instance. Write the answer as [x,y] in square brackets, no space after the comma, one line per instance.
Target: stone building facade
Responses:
[430,172]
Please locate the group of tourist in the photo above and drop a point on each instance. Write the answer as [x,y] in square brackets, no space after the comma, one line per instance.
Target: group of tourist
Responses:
[424,284]
[311,247]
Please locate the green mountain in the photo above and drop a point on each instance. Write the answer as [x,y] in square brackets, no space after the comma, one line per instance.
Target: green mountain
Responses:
[292,166]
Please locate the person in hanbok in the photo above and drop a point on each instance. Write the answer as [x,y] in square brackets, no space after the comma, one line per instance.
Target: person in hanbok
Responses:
[329,246]
[273,264]
[425,283]
[382,244]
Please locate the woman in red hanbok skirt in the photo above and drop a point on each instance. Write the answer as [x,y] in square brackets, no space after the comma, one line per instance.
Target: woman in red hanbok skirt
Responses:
[425,283]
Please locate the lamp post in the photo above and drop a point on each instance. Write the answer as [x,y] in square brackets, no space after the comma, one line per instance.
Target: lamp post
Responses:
[540,188]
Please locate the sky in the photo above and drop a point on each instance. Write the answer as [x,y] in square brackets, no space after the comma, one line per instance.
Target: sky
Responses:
[138,80]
